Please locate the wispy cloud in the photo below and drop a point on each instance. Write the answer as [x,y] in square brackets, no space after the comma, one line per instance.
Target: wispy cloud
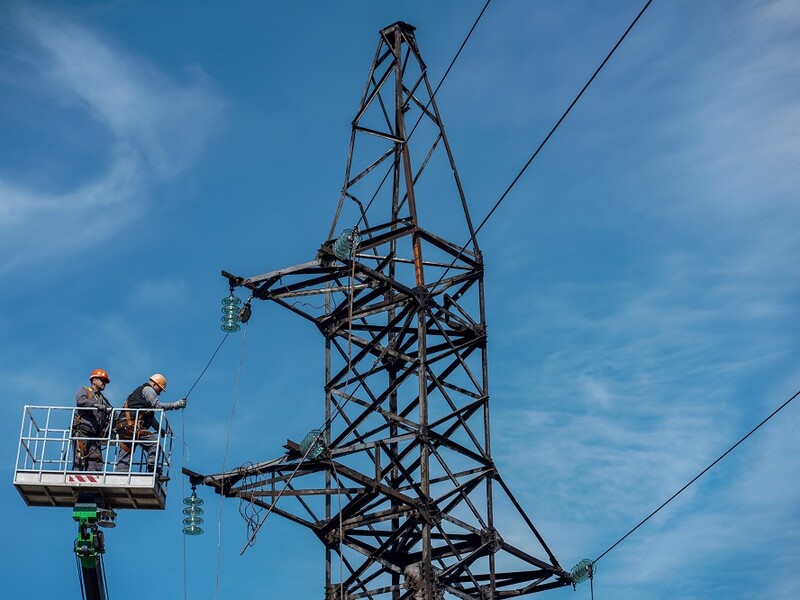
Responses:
[157,127]
[638,381]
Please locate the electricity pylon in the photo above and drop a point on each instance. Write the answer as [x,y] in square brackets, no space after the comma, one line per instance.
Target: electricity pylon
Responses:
[399,483]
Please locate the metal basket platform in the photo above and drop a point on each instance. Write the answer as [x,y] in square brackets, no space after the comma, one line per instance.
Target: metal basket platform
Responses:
[44,473]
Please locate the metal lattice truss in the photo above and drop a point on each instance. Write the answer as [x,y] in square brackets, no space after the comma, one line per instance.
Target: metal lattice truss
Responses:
[401,490]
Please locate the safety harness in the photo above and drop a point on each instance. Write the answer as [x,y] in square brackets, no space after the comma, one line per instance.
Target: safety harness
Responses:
[96,427]
[132,422]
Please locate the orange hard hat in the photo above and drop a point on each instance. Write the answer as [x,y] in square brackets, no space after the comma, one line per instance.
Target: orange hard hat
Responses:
[159,379]
[100,374]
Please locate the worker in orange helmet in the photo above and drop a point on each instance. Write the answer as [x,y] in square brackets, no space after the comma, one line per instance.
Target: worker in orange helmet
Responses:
[138,421]
[90,423]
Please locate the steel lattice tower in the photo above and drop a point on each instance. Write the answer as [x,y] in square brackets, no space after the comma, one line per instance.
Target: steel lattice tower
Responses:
[404,493]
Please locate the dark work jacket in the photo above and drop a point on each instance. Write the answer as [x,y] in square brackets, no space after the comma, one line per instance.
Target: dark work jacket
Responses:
[92,416]
[137,400]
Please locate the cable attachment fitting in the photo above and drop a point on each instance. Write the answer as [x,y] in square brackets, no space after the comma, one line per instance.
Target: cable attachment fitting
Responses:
[246,312]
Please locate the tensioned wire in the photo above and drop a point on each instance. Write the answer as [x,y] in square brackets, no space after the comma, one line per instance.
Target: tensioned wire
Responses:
[424,110]
[483,222]
[698,476]
[544,142]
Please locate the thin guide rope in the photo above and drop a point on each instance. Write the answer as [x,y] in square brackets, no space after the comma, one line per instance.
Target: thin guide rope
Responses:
[183,495]
[184,453]
[208,364]
[327,421]
[225,457]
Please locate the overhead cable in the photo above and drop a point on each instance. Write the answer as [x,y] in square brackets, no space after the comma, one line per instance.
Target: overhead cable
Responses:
[545,140]
[698,476]
[183,451]
[425,109]
[208,364]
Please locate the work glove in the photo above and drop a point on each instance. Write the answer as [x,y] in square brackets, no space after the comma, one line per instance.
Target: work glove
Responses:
[176,405]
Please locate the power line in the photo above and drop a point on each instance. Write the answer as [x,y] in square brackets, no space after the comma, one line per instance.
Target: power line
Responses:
[425,109]
[208,364]
[452,62]
[497,204]
[698,476]
[558,123]
[545,140]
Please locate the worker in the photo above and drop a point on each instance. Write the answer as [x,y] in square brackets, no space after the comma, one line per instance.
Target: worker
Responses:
[138,423]
[90,423]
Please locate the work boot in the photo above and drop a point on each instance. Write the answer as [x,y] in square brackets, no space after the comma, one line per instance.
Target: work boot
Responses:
[161,477]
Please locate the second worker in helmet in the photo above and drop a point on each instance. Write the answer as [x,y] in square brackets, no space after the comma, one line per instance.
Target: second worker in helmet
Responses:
[138,426]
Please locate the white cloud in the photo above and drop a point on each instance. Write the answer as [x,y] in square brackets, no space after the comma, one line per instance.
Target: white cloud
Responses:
[741,517]
[742,121]
[157,127]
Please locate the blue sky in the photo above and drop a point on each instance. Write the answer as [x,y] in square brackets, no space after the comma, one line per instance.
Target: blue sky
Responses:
[642,278]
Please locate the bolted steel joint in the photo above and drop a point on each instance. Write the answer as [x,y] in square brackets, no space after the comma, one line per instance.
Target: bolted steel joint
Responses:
[491,539]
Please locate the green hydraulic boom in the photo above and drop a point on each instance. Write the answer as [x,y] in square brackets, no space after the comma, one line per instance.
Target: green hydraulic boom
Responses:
[90,546]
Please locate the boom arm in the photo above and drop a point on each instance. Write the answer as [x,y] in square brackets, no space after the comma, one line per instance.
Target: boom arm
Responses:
[93,581]
[90,547]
